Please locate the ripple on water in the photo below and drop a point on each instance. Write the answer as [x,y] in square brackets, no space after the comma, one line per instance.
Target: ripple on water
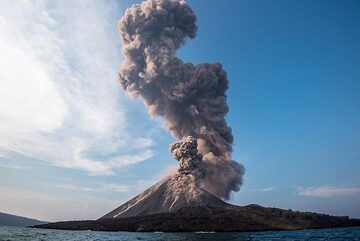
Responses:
[27,234]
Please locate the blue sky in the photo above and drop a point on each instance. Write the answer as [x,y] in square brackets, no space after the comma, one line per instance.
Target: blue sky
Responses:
[67,129]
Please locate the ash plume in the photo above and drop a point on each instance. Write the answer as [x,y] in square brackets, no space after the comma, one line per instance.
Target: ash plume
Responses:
[186,152]
[191,98]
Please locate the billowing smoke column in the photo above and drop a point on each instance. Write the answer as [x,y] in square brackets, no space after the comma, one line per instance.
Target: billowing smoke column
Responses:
[191,98]
[185,151]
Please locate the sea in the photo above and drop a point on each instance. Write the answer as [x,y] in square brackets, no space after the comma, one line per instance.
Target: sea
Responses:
[25,234]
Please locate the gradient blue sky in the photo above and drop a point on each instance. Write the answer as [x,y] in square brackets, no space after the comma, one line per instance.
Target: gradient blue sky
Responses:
[68,132]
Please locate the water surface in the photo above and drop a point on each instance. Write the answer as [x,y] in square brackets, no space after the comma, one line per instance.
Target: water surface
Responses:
[25,234]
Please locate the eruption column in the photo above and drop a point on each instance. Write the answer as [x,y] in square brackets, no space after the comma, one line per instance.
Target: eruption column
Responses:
[191,98]
[186,152]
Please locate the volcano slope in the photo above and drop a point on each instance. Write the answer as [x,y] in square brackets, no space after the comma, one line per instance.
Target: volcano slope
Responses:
[162,198]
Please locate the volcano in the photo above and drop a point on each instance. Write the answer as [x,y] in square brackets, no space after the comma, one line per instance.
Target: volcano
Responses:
[190,208]
[180,203]
[176,192]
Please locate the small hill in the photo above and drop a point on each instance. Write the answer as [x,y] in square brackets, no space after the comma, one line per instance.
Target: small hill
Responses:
[13,220]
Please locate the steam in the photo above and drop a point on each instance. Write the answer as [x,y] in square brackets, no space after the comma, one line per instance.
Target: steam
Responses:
[191,98]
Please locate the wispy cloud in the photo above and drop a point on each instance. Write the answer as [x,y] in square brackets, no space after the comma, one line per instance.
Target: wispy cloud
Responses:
[99,188]
[326,191]
[266,189]
[14,166]
[59,100]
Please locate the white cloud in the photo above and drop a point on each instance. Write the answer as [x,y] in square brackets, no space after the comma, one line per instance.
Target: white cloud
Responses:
[265,189]
[117,187]
[109,187]
[14,166]
[29,99]
[59,100]
[326,191]
[76,188]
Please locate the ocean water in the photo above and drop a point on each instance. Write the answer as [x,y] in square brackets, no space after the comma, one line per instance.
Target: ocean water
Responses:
[25,234]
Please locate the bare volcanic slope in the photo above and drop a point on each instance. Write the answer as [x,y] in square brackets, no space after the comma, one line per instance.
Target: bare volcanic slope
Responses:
[171,194]
[164,197]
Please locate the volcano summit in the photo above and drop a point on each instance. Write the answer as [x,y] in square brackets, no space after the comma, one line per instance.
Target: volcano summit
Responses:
[173,193]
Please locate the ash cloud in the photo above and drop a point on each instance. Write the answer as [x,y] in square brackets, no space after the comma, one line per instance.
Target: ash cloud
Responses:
[191,98]
[186,152]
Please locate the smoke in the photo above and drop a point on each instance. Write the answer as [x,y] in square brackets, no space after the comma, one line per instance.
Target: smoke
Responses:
[191,98]
[185,151]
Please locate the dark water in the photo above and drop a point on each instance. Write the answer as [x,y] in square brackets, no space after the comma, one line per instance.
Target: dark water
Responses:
[21,234]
